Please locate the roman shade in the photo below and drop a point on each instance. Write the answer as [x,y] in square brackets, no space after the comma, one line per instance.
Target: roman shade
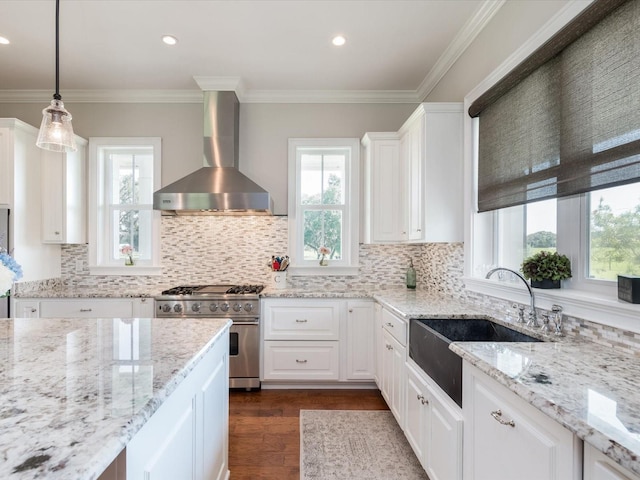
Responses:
[567,119]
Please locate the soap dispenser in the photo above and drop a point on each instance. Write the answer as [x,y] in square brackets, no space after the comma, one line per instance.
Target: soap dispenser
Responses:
[411,275]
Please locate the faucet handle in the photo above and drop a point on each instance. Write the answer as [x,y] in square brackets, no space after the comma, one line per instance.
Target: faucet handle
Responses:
[557,319]
[545,322]
[520,312]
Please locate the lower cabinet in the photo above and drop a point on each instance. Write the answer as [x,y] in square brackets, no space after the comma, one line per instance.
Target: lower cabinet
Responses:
[433,427]
[392,388]
[317,340]
[597,466]
[187,437]
[83,308]
[506,438]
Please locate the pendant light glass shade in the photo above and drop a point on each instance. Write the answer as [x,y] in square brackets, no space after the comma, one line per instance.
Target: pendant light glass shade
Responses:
[56,131]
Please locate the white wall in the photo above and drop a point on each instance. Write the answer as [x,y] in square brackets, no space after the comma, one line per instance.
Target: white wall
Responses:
[264,130]
[512,26]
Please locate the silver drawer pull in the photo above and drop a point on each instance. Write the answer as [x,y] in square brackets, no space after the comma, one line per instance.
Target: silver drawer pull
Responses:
[389,347]
[497,415]
[423,400]
[389,324]
[301,321]
[300,361]
[85,309]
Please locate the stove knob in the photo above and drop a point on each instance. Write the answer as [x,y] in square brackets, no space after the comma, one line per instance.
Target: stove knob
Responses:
[224,307]
[248,306]
[177,308]
[237,307]
[195,307]
[166,308]
[213,307]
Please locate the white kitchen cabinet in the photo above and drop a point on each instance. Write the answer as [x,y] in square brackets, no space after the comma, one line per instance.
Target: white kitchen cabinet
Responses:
[383,188]
[413,179]
[360,340]
[143,307]
[317,340]
[64,196]
[187,437]
[83,308]
[506,438]
[394,355]
[597,466]
[20,191]
[433,427]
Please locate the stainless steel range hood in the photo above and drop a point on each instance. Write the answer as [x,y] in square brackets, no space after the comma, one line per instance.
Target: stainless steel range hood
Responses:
[218,188]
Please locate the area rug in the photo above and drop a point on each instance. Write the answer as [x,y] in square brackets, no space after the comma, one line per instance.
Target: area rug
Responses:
[355,445]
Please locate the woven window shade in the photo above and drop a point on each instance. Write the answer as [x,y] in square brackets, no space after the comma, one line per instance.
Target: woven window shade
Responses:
[572,125]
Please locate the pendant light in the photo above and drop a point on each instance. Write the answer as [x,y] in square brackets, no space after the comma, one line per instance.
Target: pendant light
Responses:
[56,131]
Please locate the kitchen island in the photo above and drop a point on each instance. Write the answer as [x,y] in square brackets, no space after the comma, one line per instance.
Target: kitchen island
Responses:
[77,393]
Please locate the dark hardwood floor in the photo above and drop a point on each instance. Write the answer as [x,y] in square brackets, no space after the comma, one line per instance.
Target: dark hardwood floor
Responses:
[264,436]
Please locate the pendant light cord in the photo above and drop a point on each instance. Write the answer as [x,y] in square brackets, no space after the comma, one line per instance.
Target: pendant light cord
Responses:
[56,96]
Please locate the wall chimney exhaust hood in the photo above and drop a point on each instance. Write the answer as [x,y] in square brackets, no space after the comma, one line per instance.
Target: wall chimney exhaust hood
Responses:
[218,188]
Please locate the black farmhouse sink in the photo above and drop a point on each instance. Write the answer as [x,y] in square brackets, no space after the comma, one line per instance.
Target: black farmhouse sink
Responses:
[429,341]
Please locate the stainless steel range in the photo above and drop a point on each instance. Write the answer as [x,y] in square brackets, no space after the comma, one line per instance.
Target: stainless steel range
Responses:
[241,304]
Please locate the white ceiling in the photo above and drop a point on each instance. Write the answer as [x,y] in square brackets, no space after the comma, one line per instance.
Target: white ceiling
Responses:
[396,49]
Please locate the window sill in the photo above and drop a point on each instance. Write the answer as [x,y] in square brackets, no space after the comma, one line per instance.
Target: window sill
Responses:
[323,271]
[575,303]
[133,270]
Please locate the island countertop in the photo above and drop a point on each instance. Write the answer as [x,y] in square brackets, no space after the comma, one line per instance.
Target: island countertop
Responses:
[73,392]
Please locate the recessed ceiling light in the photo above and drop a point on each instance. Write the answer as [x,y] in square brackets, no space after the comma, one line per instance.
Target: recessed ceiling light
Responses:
[339,40]
[4,41]
[169,39]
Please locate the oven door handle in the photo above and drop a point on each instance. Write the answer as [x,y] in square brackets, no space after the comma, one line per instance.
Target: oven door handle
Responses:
[245,322]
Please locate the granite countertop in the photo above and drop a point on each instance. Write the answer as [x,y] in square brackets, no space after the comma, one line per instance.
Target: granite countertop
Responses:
[73,392]
[588,388]
[69,291]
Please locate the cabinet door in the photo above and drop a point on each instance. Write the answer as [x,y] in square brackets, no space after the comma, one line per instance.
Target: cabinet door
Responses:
[143,308]
[386,370]
[387,189]
[414,167]
[360,340]
[393,376]
[598,466]
[53,197]
[379,346]
[175,456]
[416,414]
[505,438]
[443,439]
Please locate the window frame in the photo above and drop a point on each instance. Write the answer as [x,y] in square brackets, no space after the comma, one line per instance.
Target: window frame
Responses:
[348,265]
[589,299]
[100,211]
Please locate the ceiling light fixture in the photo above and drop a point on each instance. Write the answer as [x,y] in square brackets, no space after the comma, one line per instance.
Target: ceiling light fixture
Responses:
[56,131]
[339,40]
[169,39]
[4,41]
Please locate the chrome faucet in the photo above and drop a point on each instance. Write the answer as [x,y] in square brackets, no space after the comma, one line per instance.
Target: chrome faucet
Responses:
[533,319]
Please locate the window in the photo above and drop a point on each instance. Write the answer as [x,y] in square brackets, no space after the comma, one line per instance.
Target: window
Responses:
[323,204]
[124,174]
[614,232]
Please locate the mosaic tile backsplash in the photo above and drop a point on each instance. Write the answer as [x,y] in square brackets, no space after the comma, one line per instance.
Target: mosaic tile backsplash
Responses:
[219,249]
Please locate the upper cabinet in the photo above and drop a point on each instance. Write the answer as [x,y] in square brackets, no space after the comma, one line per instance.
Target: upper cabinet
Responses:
[413,179]
[64,195]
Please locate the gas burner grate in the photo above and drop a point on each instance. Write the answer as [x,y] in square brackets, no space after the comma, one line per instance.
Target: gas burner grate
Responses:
[182,290]
[245,289]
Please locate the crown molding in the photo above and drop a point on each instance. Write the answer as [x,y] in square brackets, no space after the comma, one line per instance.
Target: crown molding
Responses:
[330,96]
[467,34]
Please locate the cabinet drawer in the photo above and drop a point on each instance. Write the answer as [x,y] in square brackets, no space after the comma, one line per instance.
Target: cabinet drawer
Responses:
[301,360]
[302,322]
[395,326]
[89,308]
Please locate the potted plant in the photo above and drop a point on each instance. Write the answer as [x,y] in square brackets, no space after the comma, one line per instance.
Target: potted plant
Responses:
[546,269]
